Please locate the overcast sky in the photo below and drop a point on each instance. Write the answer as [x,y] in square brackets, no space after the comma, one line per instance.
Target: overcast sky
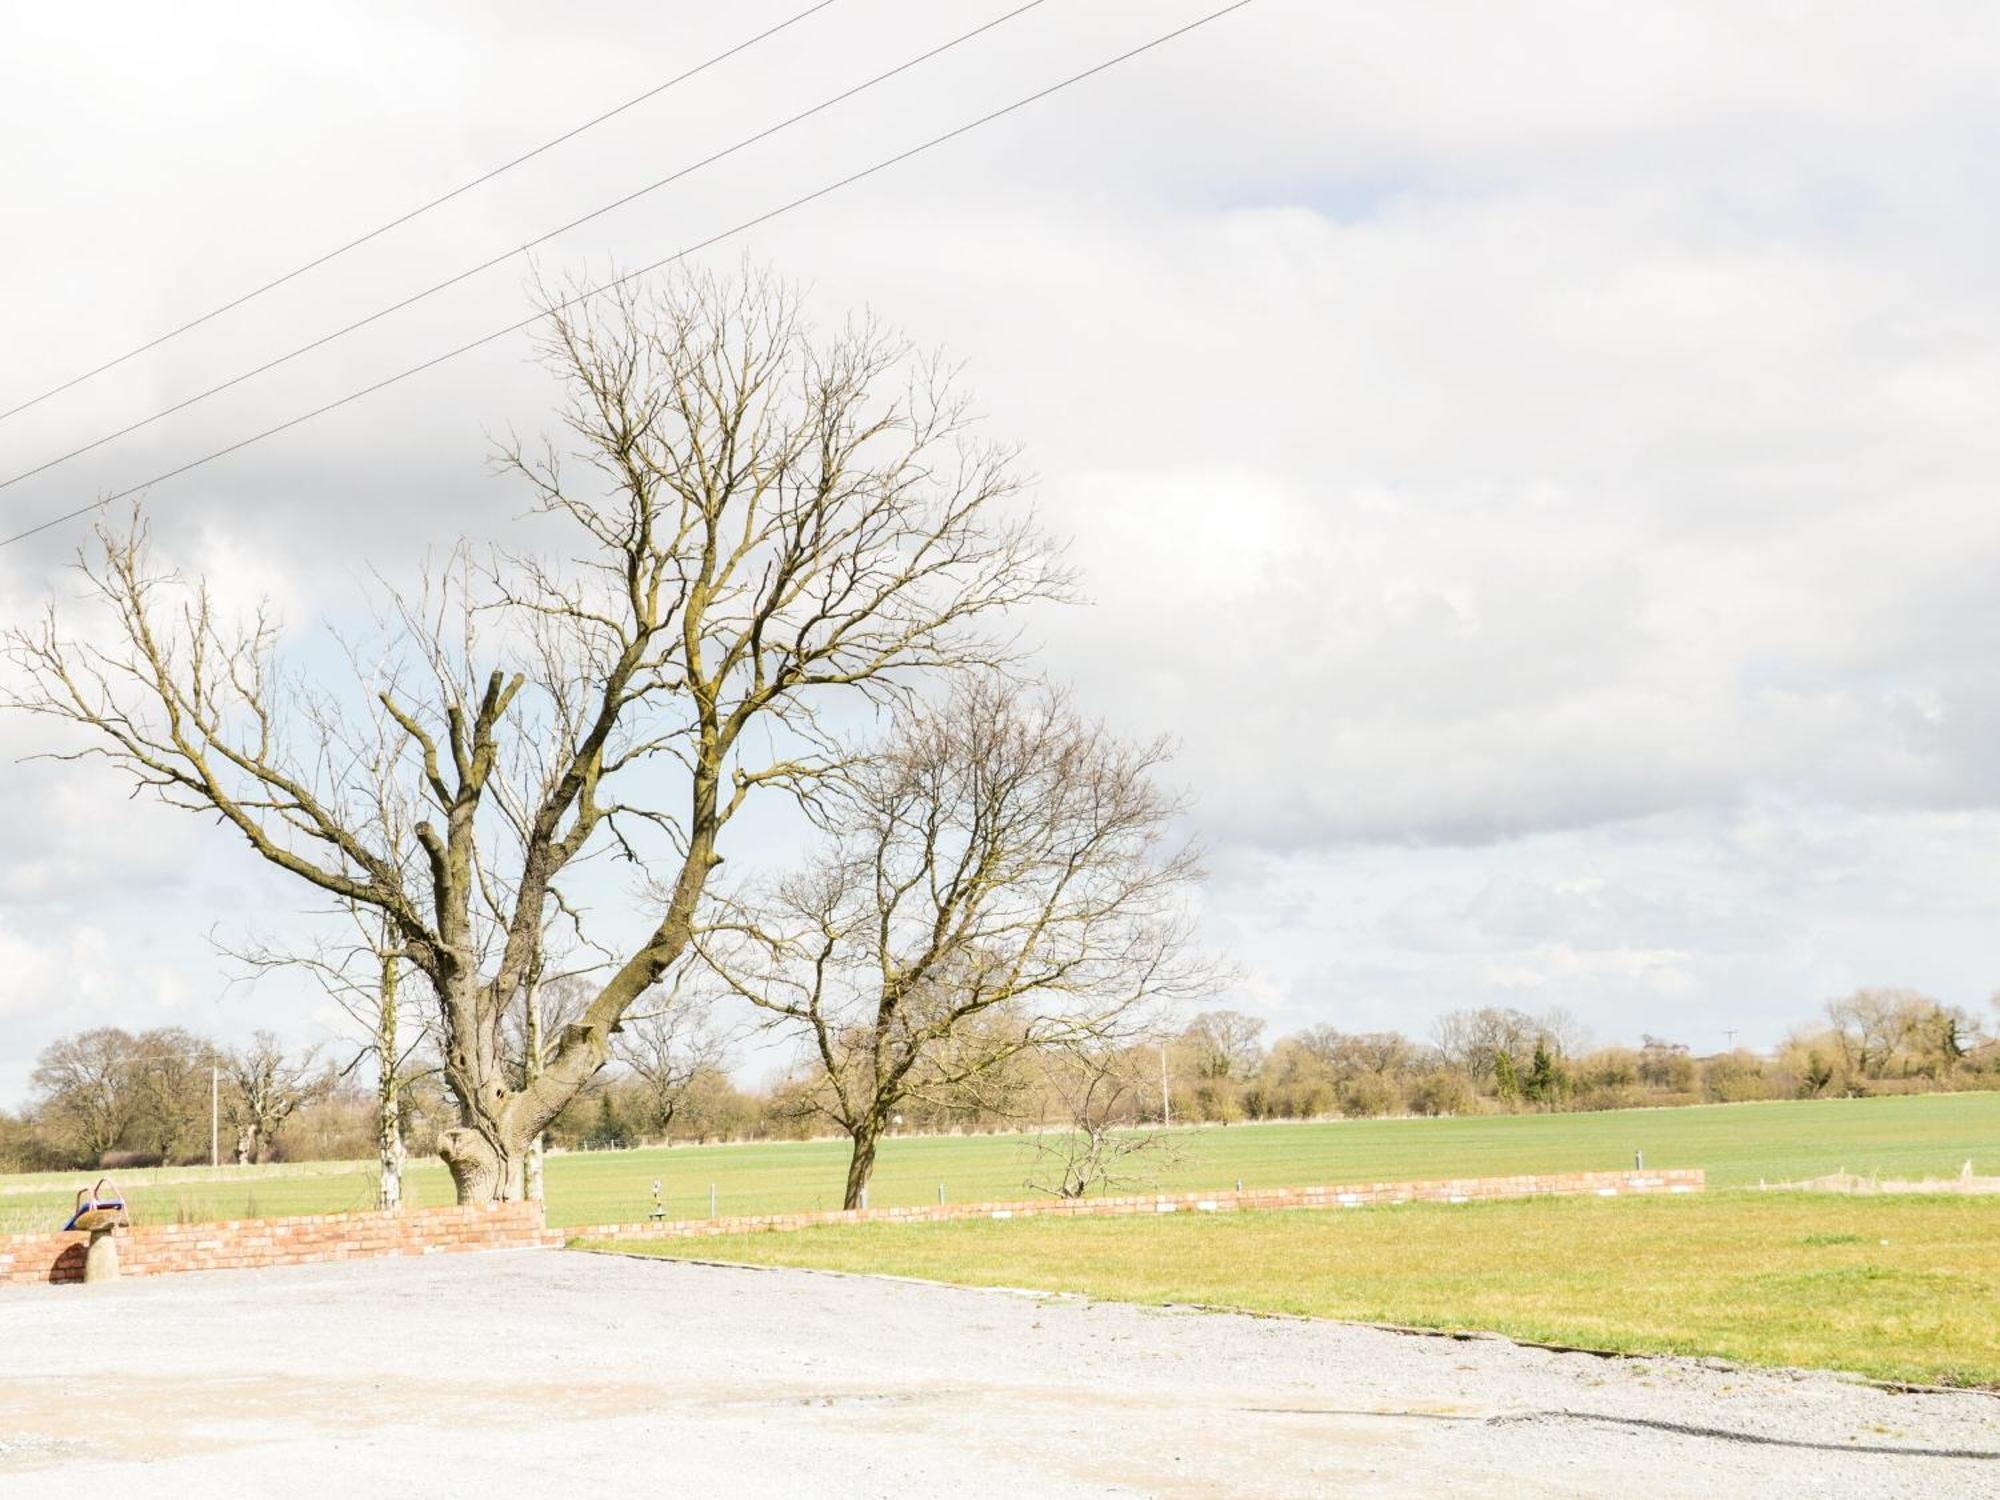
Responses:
[1538,459]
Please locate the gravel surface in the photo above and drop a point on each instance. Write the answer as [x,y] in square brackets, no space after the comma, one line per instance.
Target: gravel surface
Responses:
[540,1373]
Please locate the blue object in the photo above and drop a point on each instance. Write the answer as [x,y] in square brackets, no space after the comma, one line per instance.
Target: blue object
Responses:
[87,1201]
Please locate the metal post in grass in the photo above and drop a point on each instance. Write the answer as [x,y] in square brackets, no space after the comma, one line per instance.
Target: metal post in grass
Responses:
[1638,1161]
[940,1195]
[711,1200]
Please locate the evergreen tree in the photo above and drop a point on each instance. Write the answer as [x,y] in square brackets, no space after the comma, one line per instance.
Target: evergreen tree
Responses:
[610,1134]
[1506,1081]
[1545,1080]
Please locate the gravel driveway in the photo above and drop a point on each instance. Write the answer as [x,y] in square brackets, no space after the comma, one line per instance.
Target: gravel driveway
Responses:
[542,1373]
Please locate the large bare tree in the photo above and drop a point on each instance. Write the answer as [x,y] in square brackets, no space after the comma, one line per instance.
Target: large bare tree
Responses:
[746,524]
[267,1086]
[86,1091]
[174,1072]
[999,876]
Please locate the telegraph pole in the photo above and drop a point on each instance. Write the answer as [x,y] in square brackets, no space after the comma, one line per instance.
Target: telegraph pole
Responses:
[214,1115]
[1166,1098]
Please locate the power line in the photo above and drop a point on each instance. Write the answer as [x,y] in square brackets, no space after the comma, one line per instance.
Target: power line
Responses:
[520,249]
[418,212]
[748,224]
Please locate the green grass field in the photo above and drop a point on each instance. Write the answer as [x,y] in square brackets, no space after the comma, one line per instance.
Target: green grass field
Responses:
[1903,1289]
[1737,1144]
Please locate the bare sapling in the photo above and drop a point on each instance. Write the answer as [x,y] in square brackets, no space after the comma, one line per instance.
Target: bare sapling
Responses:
[1095,1136]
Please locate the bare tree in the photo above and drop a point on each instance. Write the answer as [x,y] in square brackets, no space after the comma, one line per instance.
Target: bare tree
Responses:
[1224,1045]
[173,1076]
[1223,1050]
[266,1087]
[1563,1031]
[550,1004]
[1488,1041]
[998,877]
[669,1050]
[1097,1142]
[1871,1027]
[362,968]
[86,1095]
[362,973]
[764,524]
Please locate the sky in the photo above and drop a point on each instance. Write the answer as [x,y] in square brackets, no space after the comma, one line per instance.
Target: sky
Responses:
[1536,460]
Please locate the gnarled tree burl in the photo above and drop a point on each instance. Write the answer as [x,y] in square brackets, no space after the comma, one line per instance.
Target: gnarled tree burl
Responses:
[763,521]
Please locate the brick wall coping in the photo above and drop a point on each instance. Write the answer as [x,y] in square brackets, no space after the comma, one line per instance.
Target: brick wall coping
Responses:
[1345,1195]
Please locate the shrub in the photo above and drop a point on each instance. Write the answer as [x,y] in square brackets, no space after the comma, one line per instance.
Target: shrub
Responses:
[1609,1068]
[1734,1077]
[1443,1092]
[1370,1094]
[24,1149]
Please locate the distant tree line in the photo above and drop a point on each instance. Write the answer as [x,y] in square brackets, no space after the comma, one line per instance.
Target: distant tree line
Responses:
[1495,1060]
[111,1097]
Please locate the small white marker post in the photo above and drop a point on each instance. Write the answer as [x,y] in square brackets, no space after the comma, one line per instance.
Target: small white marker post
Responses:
[711,1200]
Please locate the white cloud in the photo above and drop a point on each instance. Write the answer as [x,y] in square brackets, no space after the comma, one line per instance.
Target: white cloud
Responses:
[1537,460]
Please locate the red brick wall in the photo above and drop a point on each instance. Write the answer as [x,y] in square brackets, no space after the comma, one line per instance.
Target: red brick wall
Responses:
[160,1249]
[1351,1195]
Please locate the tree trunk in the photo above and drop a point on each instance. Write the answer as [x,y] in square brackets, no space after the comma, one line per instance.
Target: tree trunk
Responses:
[389,1151]
[531,1068]
[861,1166]
[486,1152]
[388,1097]
[484,1170]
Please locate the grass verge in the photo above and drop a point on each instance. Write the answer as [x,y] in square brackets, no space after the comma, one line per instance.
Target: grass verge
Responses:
[1902,1289]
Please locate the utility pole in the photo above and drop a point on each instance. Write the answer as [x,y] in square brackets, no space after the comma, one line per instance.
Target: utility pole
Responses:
[214,1115]
[1166,1098]
[1730,1032]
